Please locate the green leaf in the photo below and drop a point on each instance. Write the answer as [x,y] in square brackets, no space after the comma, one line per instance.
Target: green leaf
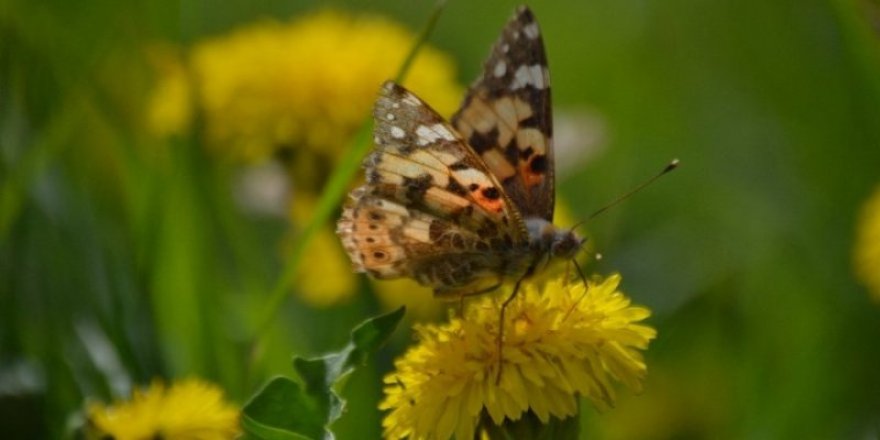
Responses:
[285,409]
[281,410]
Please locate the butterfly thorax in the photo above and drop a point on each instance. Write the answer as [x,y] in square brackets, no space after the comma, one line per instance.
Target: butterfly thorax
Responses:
[548,241]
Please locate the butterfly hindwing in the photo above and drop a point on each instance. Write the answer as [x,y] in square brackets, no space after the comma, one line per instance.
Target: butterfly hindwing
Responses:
[389,240]
[506,117]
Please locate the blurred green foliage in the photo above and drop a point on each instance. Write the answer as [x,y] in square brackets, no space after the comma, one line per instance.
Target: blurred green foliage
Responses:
[123,258]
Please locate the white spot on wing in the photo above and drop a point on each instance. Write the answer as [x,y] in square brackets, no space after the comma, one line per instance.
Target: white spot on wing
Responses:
[531,30]
[443,132]
[410,99]
[389,116]
[397,132]
[428,135]
[525,75]
[500,69]
[505,47]
[470,175]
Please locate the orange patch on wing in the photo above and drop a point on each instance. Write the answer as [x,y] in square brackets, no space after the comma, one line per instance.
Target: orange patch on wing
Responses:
[529,177]
[489,204]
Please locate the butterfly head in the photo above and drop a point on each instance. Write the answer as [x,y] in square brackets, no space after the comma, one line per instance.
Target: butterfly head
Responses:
[566,244]
[556,242]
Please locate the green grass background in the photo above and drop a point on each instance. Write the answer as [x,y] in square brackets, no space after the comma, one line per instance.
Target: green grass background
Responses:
[114,270]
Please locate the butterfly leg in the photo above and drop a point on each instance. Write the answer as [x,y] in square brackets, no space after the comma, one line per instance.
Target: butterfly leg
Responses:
[579,271]
[501,327]
[586,288]
[463,295]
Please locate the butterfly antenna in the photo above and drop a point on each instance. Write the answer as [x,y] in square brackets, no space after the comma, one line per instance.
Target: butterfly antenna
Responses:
[577,224]
[671,166]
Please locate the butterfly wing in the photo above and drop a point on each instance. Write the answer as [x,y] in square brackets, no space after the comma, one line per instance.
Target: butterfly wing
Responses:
[506,117]
[388,240]
[431,209]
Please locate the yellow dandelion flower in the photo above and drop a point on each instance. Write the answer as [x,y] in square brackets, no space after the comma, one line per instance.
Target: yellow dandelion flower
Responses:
[560,343]
[309,82]
[326,280]
[867,245]
[190,409]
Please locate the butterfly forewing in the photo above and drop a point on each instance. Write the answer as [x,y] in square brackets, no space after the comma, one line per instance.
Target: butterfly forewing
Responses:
[430,210]
[445,204]
[506,117]
[422,162]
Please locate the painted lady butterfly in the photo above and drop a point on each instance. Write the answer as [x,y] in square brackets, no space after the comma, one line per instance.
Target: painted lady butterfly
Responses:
[463,206]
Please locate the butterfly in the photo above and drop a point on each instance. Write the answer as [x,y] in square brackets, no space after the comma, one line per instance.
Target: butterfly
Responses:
[463,205]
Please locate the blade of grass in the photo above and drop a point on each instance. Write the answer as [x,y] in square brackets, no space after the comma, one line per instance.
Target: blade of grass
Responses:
[36,159]
[334,191]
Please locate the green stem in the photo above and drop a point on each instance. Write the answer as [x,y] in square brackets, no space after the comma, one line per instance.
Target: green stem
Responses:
[420,41]
[332,195]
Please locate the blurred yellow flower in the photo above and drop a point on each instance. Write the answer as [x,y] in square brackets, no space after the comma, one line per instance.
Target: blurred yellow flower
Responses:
[306,83]
[310,83]
[190,409]
[302,89]
[562,342]
[419,300]
[169,110]
[326,279]
[867,245]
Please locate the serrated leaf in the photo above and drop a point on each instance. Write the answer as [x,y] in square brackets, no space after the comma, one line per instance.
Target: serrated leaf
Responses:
[282,411]
[322,375]
[285,409]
